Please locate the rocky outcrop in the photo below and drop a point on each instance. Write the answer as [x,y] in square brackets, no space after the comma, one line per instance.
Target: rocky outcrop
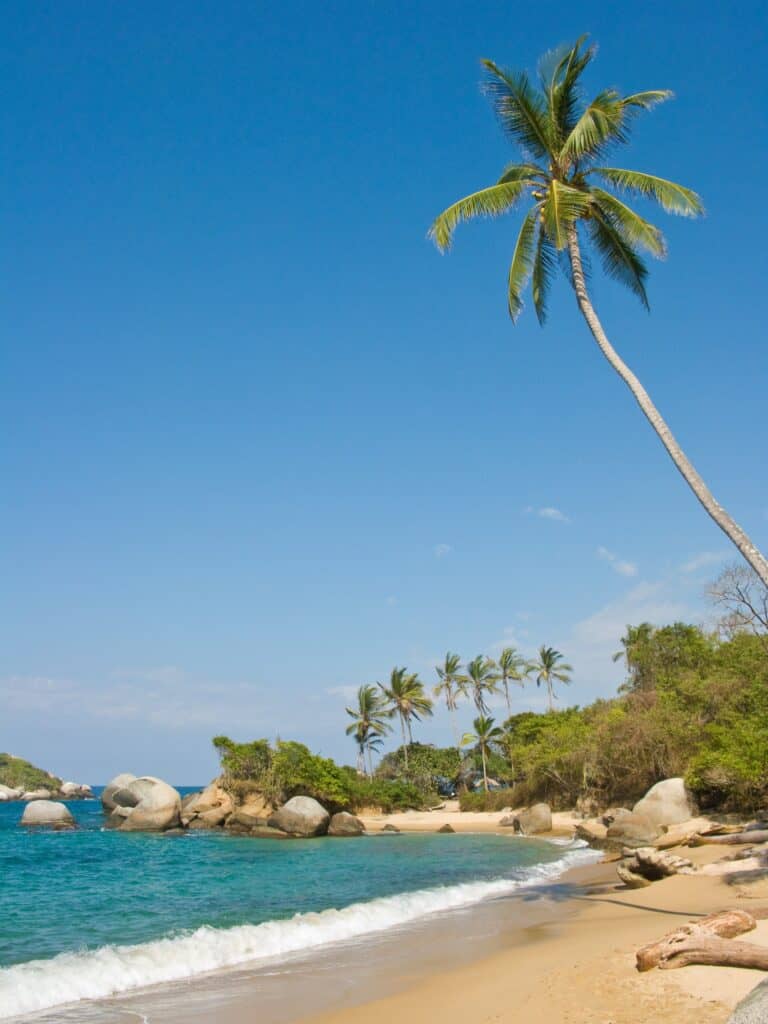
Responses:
[301,816]
[119,782]
[613,814]
[208,809]
[646,864]
[753,1009]
[37,794]
[76,791]
[47,814]
[446,828]
[633,830]
[593,832]
[533,820]
[666,803]
[345,824]
[10,793]
[144,804]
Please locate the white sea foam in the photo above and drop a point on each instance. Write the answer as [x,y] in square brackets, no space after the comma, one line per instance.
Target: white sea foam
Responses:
[110,970]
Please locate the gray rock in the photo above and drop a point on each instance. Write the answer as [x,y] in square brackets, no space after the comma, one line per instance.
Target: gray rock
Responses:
[634,830]
[37,794]
[345,824]
[753,1009]
[301,816]
[158,806]
[47,813]
[119,782]
[446,828]
[534,820]
[666,803]
[391,828]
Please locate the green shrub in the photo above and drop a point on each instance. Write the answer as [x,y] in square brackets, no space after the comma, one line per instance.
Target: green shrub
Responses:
[495,800]
[388,795]
[20,774]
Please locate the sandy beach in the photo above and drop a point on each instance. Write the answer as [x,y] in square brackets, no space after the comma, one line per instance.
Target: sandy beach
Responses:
[580,969]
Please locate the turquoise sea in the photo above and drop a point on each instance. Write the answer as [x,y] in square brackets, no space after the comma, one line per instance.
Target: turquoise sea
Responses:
[92,913]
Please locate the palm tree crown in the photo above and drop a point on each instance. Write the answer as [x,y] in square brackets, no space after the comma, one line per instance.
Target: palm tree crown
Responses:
[512,668]
[485,735]
[408,700]
[481,678]
[368,725]
[551,669]
[565,142]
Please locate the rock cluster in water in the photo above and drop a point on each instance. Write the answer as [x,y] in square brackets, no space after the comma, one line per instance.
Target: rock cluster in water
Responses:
[66,791]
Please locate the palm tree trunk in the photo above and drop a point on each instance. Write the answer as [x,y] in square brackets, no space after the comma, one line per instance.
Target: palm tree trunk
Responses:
[485,767]
[506,694]
[550,695]
[405,743]
[732,530]
[370,762]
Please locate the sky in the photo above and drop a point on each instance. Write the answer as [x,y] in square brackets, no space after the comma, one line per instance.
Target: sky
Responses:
[261,442]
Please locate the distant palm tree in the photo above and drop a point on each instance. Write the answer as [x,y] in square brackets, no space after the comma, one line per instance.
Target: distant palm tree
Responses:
[564,142]
[452,685]
[513,668]
[368,726]
[486,733]
[407,699]
[481,678]
[551,669]
[635,643]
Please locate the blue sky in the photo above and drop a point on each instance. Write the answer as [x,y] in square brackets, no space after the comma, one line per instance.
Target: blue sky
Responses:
[262,442]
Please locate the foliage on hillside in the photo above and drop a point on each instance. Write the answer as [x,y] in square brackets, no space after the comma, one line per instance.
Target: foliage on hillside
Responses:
[691,706]
[291,769]
[18,773]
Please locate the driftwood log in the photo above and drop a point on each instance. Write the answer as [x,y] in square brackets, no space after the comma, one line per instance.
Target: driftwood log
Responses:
[754,837]
[695,936]
[716,952]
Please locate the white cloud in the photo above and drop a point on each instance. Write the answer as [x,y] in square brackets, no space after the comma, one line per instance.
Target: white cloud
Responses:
[547,512]
[617,564]
[441,550]
[391,601]
[347,692]
[646,602]
[702,560]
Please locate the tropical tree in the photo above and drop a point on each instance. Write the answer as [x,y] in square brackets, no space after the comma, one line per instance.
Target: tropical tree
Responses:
[407,699]
[635,644]
[368,725]
[564,142]
[485,735]
[512,668]
[481,679]
[452,684]
[551,669]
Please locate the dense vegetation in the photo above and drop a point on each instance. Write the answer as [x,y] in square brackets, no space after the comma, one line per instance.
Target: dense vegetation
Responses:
[20,774]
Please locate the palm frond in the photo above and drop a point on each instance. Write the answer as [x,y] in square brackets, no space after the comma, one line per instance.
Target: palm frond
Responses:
[488,202]
[649,99]
[620,261]
[521,172]
[602,123]
[520,267]
[636,230]
[672,197]
[519,108]
[544,267]
[559,72]
[561,208]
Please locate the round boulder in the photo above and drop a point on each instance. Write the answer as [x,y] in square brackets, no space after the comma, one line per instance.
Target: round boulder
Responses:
[108,793]
[47,813]
[534,820]
[634,830]
[10,793]
[301,816]
[345,824]
[666,803]
[157,805]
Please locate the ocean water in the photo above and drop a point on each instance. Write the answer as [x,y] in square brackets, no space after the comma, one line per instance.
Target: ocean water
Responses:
[91,913]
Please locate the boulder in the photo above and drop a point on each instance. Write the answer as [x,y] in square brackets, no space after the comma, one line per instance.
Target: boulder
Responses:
[613,814]
[74,790]
[446,828]
[508,821]
[157,807]
[301,816]
[625,869]
[119,782]
[10,793]
[213,803]
[390,828]
[633,830]
[243,821]
[345,824]
[534,819]
[47,813]
[666,803]
[592,832]
[209,819]
[753,1009]
[648,863]
[37,794]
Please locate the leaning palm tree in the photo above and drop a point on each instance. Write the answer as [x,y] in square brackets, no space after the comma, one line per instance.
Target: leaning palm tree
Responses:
[486,733]
[551,669]
[407,699]
[512,668]
[481,678]
[369,723]
[452,685]
[564,142]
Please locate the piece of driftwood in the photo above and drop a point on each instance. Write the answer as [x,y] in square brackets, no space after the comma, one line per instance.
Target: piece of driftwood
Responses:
[725,925]
[733,839]
[713,951]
